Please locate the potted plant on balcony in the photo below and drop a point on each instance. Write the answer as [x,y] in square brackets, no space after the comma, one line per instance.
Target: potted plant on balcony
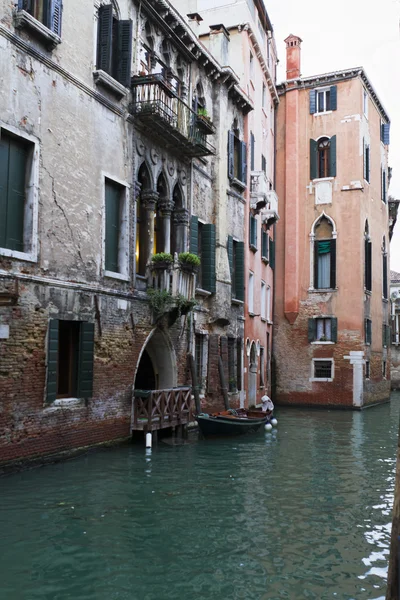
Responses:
[161,261]
[189,262]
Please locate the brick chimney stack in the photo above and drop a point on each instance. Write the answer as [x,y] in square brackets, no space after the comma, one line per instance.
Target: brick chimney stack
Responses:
[293,46]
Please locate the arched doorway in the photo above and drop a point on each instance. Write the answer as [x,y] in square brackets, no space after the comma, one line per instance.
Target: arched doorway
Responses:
[157,364]
[252,378]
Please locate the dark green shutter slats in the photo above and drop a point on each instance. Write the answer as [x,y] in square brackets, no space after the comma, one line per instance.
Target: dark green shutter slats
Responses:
[313,159]
[271,253]
[386,133]
[368,265]
[4,160]
[264,244]
[86,352]
[334,329]
[231,150]
[229,249]
[333,264]
[239,271]
[333,96]
[208,258]
[332,157]
[312,329]
[253,232]
[25,5]
[194,235]
[313,102]
[252,150]
[113,200]
[55,14]
[384,185]
[124,59]
[316,265]
[104,47]
[13,164]
[368,331]
[385,277]
[52,360]
[243,162]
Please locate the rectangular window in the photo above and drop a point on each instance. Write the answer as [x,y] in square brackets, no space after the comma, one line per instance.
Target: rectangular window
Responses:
[365,103]
[322,329]
[237,158]
[238,364]
[253,233]
[231,364]
[69,360]
[198,356]
[383,180]
[262,367]
[252,151]
[116,235]
[366,162]
[18,196]
[263,163]
[114,45]
[384,369]
[236,266]
[385,335]
[325,264]
[251,293]
[367,370]
[368,331]
[48,12]
[323,100]
[268,302]
[384,277]
[263,300]
[264,245]
[368,265]
[322,369]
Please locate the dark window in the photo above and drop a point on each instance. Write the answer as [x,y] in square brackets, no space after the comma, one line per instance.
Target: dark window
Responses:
[385,335]
[368,331]
[114,45]
[367,369]
[263,163]
[262,367]
[384,276]
[114,207]
[366,162]
[199,358]
[231,365]
[70,360]
[323,158]
[14,159]
[368,265]
[322,369]
[384,369]
[323,100]
[325,264]
[203,243]
[383,179]
[47,12]
[322,329]
[237,157]
[236,267]
[253,233]
[252,149]
[264,245]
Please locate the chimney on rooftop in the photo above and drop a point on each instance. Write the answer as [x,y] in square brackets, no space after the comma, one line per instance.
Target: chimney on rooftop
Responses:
[293,46]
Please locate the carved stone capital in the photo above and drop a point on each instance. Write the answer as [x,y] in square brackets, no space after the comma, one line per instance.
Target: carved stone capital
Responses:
[165,206]
[149,199]
[181,216]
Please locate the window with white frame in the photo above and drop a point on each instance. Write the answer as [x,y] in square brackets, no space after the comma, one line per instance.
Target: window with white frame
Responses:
[263,300]
[251,292]
[323,98]
[116,259]
[19,176]
[322,329]
[322,369]
[262,366]
[47,12]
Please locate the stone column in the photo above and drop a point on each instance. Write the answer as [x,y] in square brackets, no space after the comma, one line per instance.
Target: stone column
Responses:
[149,199]
[356,359]
[166,206]
[181,222]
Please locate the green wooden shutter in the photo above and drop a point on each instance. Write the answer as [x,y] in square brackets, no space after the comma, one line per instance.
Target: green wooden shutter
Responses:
[333,97]
[333,264]
[239,271]
[16,197]
[271,253]
[231,150]
[313,102]
[316,265]
[312,330]
[334,329]
[124,55]
[368,265]
[113,201]
[208,258]
[243,162]
[104,44]
[264,244]
[384,278]
[253,232]
[384,185]
[194,235]
[332,157]
[4,161]
[313,159]
[86,353]
[54,18]
[386,133]
[52,361]
[252,150]
[229,249]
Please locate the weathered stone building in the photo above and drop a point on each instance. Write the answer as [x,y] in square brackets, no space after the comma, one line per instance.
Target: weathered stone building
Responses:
[113,148]
[332,311]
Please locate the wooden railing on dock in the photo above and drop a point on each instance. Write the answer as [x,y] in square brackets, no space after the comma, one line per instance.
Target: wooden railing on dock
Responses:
[159,409]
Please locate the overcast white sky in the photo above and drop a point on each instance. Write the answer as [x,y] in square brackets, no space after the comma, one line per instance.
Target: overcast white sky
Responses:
[350,33]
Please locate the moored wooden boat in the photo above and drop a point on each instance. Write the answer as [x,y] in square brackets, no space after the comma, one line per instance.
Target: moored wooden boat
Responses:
[232,422]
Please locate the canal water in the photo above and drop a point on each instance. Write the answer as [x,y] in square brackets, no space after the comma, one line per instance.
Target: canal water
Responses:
[303,512]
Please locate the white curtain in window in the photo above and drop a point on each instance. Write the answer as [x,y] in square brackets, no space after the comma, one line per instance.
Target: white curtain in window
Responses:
[324,270]
[324,329]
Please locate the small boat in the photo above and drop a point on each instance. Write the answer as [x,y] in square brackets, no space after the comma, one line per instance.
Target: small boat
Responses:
[232,422]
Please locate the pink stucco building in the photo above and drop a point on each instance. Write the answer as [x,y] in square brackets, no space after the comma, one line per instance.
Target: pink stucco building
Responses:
[332,314]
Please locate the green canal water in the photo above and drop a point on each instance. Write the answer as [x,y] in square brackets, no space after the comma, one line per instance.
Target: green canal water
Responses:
[301,513]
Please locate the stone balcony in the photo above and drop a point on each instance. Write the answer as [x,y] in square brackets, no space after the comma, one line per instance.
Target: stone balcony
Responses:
[263,198]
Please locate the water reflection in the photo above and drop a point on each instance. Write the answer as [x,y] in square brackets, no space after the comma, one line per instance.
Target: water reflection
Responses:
[301,512]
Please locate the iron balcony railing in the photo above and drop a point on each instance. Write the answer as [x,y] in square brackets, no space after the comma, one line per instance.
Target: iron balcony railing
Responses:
[156,103]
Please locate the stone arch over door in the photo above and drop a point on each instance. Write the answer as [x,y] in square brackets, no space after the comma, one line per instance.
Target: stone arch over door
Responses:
[252,377]
[156,367]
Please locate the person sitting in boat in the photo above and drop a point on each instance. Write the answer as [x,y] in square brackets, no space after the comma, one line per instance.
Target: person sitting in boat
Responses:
[267,404]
